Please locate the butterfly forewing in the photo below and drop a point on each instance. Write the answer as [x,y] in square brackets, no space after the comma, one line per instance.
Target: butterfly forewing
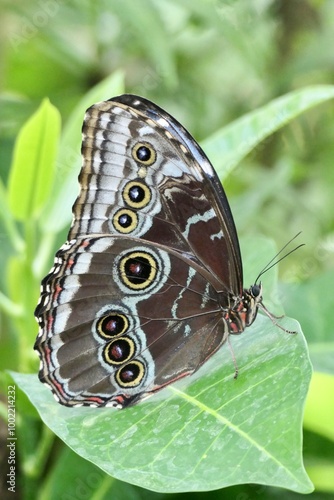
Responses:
[181,204]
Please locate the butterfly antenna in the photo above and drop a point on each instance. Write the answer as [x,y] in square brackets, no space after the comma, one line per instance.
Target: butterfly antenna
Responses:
[273,262]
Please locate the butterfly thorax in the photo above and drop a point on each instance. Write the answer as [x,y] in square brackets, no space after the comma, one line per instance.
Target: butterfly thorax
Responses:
[244,310]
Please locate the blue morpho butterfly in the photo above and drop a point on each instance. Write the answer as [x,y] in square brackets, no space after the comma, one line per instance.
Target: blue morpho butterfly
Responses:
[149,284]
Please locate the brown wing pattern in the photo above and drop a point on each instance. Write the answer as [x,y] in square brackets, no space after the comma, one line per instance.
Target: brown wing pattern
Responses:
[149,284]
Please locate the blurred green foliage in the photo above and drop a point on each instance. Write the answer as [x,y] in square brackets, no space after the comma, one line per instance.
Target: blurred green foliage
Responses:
[208,62]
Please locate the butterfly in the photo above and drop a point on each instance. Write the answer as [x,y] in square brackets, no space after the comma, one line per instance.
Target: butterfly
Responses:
[149,283]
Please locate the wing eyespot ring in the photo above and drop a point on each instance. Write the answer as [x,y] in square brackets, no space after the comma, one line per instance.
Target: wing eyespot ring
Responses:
[138,270]
[136,194]
[112,325]
[119,351]
[125,221]
[131,374]
[144,153]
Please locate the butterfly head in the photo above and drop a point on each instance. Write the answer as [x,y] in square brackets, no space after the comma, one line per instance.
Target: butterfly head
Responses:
[256,292]
[252,300]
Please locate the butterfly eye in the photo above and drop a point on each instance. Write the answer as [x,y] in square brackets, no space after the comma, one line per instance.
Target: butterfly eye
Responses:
[144,153]
[256,290]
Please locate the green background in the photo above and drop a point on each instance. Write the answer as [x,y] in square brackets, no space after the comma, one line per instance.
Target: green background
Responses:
[209,63]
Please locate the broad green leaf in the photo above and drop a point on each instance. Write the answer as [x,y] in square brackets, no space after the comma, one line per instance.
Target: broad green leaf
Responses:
[213,432]
[58,212]
[32,169]
[229,145]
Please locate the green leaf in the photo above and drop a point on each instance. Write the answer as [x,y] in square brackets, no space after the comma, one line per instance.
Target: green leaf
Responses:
[213,432]
[58,212]
[229,145]
[32,169]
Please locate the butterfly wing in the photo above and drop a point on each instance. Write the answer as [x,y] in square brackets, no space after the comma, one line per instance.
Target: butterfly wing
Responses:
[132,148]
[139,295]
[126,319]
